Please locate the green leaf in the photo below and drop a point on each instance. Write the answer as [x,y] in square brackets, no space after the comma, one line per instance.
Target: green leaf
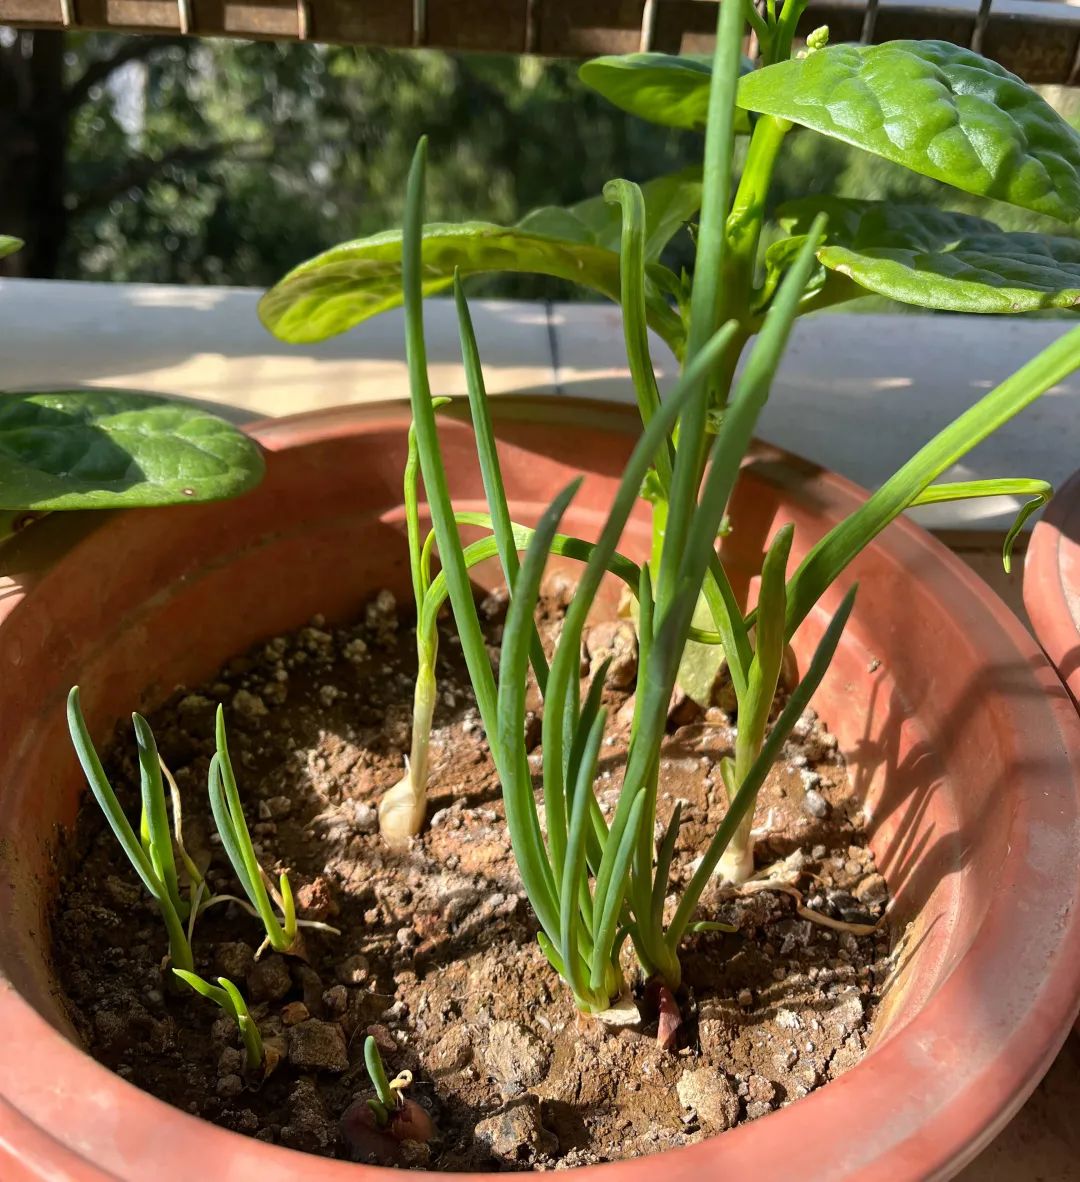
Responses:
[779,257]
[107,449]
[937,259]
[203,987]
[701,663]
[376,1072]
[935,108]
[669,89]
[670,202]
[347,284]
[1038,493]
[9,245]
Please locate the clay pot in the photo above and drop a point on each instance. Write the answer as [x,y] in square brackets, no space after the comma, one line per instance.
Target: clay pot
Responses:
[1052,583]
[956,731]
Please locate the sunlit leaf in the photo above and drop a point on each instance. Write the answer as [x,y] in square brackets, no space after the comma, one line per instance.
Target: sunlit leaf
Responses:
[670,202]
[347,284]
[937,259]
[936,108]
[669,89]
[105,449]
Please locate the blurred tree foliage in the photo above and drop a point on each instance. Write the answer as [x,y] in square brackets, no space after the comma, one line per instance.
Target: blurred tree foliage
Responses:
[184,161]
[229,162]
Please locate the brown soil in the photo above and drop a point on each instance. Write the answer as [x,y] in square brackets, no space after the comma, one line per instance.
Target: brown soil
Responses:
[437,956]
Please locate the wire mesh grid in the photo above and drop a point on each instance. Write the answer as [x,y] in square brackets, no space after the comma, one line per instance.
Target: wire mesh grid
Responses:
[1037,39]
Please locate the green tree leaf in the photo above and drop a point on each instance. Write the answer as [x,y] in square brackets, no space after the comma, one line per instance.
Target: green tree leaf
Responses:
[338,289]
[669,89]
[936,259]
[9,245]
[937,109]
[105,449]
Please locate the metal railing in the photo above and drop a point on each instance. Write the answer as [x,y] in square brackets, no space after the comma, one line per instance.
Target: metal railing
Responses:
[1037,39]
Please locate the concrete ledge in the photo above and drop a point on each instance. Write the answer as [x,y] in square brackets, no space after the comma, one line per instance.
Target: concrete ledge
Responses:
[857,393]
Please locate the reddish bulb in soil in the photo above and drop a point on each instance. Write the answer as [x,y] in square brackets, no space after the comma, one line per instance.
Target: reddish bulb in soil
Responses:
[369,1141]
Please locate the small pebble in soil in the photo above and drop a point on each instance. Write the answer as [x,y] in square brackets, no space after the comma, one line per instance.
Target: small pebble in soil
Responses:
[248,705]
[336,1000]
[230,1085]
[515,1057]
[516,1133]
[872,889]
[269,979]
[614,641]
[318,1046]
[309,1128]
[355,651]
[353,970]
[365,818]
[230,1061]
[234,960]
[815,804]
[709,1093]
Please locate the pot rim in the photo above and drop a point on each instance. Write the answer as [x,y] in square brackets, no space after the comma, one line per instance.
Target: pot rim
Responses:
[924,1141]
[1052,606]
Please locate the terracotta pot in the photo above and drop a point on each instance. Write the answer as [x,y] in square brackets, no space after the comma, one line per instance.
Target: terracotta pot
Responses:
[956,731]
[1052,583]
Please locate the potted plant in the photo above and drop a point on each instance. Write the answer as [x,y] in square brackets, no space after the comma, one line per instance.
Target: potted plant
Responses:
[933,693]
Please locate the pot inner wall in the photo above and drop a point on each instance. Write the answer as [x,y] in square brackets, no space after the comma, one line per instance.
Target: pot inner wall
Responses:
[136,605]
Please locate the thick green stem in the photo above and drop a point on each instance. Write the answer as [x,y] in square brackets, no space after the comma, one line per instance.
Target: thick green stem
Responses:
[736,863]
[659,529]
[658,960]
[707,301]
[179,949]
[755,703]
[423,713]
[743,230]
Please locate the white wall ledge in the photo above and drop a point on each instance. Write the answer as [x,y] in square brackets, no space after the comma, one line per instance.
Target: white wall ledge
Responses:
[857,393]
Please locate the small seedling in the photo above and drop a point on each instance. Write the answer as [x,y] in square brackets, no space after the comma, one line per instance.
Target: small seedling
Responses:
[401,810]
[236,841]
[228,997]
[151,854]
[388,1113]
[387,1095]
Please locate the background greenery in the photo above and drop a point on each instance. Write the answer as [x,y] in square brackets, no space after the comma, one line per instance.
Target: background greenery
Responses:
[182,161]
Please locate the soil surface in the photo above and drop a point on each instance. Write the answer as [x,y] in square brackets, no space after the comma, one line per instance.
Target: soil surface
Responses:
[437,956]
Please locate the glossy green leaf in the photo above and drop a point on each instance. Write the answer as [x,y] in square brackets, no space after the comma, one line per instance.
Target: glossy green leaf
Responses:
[670,202]
[935,108]
[9,245]
[106,449]
[779,257]
[936,259]
[347,284]
[669,89]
